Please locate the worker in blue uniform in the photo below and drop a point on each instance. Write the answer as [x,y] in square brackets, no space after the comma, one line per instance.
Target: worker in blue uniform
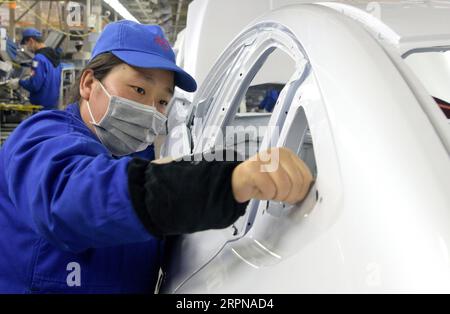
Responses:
[270,100]
[45,79]
[79,214]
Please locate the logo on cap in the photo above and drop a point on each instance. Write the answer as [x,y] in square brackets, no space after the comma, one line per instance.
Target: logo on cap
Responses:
[162,43]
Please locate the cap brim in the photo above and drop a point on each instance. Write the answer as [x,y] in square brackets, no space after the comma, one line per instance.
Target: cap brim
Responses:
[150,61]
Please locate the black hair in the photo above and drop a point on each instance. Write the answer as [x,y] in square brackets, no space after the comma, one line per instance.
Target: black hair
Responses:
[101,65]
[37,39]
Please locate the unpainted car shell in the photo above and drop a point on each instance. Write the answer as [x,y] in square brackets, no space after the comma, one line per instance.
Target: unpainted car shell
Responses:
[378,216]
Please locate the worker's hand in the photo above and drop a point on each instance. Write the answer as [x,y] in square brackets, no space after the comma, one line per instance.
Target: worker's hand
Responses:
[14,83]
[276,174]
[163,161]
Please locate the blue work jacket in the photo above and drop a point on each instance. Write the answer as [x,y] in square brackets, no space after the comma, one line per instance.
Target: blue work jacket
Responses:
[67,224]
[45,81]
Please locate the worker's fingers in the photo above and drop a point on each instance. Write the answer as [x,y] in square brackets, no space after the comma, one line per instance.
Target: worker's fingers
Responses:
[290,174]
[285,175]
[301,179]
[277,174]
[282,181]
[270,169]
[248,182]
[295,178]
[263,186]
[164,160]
[241,184]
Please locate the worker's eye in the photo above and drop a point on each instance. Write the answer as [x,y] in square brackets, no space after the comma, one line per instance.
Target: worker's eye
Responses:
[139,90]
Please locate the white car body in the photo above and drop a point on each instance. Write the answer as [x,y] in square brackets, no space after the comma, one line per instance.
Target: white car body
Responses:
[378,216]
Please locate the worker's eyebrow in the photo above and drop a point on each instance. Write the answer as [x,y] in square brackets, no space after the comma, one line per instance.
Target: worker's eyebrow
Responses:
[149,77]
[168,88]
[170,91]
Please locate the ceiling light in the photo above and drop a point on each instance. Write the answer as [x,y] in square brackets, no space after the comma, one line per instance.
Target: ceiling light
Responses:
[120,9]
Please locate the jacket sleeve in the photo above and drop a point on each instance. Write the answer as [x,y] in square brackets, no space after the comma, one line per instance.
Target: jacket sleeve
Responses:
[184,196]
[74,193]
[36,80]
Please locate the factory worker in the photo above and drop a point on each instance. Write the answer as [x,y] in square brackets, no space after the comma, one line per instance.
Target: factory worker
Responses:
[45,79]
[80,215]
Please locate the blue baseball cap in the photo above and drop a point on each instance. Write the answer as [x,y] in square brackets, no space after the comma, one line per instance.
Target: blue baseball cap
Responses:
[28,33]
[143,46]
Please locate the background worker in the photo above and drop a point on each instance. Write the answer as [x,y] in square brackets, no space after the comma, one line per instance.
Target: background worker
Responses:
[45,80]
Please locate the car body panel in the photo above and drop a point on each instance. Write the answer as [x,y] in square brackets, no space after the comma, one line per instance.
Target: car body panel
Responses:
[378,216]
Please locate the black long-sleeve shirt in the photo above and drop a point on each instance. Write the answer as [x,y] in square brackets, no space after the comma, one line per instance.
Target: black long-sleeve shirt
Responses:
[183,196]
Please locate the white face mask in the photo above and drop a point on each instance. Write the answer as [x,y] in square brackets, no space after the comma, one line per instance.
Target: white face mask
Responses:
[128,126]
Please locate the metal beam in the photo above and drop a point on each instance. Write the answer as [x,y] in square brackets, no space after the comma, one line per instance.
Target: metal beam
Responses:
[177,19]
[12,23]
[37,20]
[26,11]
[88,15]
[138,2]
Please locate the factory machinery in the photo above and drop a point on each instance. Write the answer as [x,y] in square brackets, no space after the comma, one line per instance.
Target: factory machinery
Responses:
[16,63]
[14,105]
